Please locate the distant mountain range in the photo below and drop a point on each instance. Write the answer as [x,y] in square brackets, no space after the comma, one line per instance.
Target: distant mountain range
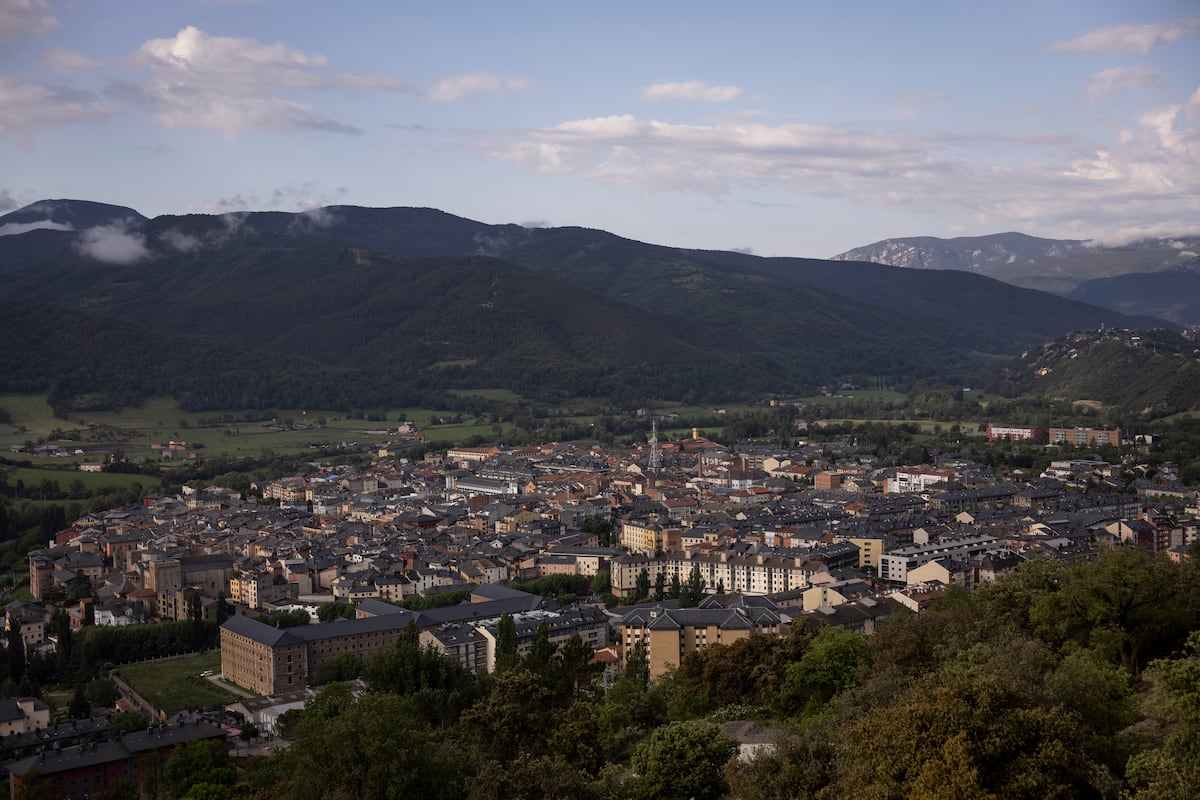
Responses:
[378,305]
[1155,277]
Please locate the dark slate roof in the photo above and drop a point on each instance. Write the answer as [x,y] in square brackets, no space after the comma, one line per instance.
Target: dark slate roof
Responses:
[260,632]
[9,710]
[130,744]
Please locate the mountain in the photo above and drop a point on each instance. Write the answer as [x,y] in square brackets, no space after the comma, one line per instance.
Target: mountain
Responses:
[67,215]
[436,301]
[1053,265]
[1172,294]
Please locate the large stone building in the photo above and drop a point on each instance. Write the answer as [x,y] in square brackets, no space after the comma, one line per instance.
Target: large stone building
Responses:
[270,660]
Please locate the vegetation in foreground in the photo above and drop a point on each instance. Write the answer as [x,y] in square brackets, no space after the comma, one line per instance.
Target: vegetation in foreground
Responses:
[1059,681]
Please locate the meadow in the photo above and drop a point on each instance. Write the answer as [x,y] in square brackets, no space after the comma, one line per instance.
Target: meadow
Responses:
[175,684]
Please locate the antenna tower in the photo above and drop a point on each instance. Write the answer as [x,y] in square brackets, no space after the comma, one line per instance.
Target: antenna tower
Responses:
[655,456]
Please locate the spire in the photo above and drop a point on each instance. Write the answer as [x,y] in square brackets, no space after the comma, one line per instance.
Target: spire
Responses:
[655,456]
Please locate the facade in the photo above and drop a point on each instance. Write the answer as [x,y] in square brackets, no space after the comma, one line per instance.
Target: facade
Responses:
[748,574]
[1089,437]
[917,479]
[1015,433]
[895,566]
[669,634]
[22,715]
[87,770]
[270,661]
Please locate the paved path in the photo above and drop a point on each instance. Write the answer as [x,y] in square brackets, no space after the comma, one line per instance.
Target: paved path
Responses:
[219,680]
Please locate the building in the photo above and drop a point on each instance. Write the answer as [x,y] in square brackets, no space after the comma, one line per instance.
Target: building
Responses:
[917,479]
[895,566]
[1015,433]
[88,769]
[669,634]
[589,624]
[270,661]
[22,715]
[1085,437]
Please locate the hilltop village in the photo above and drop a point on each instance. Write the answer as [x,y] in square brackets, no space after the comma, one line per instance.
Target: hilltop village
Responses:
[683,543]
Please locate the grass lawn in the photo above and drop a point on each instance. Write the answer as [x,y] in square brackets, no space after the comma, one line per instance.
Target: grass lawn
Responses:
[174,684]
[90,480]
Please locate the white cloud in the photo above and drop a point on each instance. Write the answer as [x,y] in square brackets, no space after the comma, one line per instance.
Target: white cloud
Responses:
[1129,38]
[113,244]
[7,201]
[690,90]
[22,18]
[29,107]
[1049,183]
[460,87]
[67,62]
[1120,79]
[178,240]
[235,85]
[15,228]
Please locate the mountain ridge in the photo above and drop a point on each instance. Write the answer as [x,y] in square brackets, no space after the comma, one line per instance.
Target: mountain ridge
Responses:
[451,302]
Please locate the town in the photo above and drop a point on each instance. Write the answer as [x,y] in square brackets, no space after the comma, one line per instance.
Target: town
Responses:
[667,548]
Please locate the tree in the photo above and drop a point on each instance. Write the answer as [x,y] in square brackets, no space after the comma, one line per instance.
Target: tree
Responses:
[328,612]
[602,582]
[676,589]
[79,706]
[345,667]
[195,763]
[660,587]
[506,644]
[642,586]
[683,761]
[249,731]
[15,650]
[830,665]
[692,591]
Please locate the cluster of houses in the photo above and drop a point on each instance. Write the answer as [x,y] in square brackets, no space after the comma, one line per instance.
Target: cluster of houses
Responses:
[778,537]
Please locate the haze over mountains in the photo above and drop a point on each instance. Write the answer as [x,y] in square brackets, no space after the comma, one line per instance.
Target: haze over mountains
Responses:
[400,300]
[1156,277]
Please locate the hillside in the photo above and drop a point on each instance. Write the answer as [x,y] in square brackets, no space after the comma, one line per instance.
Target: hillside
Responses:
[1143,373]
[1171,294]
[448,302]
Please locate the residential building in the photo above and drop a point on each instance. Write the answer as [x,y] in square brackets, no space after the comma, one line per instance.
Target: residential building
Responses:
[1089,437]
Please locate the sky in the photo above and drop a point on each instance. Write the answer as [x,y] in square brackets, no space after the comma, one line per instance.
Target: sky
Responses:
[779,128]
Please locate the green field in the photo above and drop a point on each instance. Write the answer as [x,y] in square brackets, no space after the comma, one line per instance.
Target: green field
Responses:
[90,480]
[174,684]
[227,434]
[160,420]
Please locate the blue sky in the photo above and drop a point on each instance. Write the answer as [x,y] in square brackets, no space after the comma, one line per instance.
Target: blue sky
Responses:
[785,128]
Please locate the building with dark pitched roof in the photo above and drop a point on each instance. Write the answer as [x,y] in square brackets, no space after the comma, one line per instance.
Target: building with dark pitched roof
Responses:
[79,772]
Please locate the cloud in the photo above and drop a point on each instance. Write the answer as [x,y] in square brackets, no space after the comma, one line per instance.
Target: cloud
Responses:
[67,62]
[1120,79]
[28,107]
[15,228]
[916,102]
[178,240]
[22,18]
[113,244]
[1050,183]
[1129,38]
[236,85]
[7,201]
[460,87]
[313,219]
[690,90]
